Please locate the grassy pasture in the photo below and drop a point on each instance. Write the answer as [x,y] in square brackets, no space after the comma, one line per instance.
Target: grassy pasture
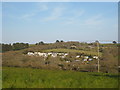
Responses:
[72,50]
[36,78]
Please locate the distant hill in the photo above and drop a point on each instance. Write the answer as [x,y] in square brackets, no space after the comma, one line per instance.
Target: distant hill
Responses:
[108,55]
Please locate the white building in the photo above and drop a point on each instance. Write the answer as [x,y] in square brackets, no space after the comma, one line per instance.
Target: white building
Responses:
[30,53]
[95,57]
[86,57]
[78,56]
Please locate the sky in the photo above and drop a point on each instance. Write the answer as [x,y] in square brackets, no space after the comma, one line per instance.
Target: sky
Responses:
[33,22]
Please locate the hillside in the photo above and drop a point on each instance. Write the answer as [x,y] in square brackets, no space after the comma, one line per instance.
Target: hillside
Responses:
[108,57]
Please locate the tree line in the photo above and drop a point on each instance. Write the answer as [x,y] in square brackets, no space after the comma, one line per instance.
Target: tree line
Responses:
[19,46]
[42,43]
[13,47]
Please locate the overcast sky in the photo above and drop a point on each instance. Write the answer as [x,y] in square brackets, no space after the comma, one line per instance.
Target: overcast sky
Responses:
[67,21]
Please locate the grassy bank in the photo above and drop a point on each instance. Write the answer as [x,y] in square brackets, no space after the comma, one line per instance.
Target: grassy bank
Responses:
[72,50]
[37,78]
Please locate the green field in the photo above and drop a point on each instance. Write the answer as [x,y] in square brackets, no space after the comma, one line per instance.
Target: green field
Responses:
[36,78]
[72,50]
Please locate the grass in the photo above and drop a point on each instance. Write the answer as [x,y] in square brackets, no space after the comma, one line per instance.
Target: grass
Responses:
[72,50]
[36,78]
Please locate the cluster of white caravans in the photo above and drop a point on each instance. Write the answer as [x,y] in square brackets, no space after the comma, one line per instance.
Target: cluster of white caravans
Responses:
[62,55]
[86,58]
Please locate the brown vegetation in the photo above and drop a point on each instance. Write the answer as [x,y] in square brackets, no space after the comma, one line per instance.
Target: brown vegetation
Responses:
[108,61]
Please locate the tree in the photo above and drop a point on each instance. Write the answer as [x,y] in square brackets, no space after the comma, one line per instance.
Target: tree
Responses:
[19,46]
[0,47]
[96,41]
[36,44]
[6,47]
[57,41]
[114,42]
[41,43]
[61,41]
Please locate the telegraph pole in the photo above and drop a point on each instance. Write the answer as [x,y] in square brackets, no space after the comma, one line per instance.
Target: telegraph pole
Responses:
[98,57]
